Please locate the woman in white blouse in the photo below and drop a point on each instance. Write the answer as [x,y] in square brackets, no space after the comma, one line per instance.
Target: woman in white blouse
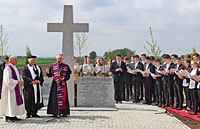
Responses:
[100,68]
[77,67]
[88,68]
[193,88]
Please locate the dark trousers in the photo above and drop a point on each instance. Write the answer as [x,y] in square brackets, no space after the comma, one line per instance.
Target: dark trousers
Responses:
[131,90]
[118,90]
[142,91]
[149,89]
[178,92]
[171,93]
[158,91]
[137,90]
[194,97]
[0,87]
[127,88]
[123,91]
[187,96]
[166,94]
[153,91]
[199,98]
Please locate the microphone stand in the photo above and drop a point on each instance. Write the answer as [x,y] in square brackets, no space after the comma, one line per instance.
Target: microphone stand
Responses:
[58,85]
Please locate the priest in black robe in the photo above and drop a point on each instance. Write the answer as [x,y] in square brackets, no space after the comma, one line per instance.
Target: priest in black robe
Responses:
[58,99]
[33,80]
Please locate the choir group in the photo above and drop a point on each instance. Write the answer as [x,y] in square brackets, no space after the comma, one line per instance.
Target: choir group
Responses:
[166,82]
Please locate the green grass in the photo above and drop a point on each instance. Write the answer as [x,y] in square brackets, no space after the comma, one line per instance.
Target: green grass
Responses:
[21,62]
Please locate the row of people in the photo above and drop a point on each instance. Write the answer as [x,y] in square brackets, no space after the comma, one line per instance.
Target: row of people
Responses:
[99,69]
[22,92]
[164,84]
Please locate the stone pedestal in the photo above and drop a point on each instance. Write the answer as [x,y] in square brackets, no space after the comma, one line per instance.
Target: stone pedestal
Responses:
[95,92]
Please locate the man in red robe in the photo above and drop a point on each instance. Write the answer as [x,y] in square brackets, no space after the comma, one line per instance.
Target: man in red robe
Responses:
[58,99]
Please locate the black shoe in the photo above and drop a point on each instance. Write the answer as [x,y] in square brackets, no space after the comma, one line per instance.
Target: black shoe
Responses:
[116,101]
[193,113]
[154,104]
[149,103]
[180,108]
[9,119]
[145,102]
[137,101]
[185,106]
[120,102]
[64,115]
[55,115]
[16,119]
[36,116]
[173,107]
[28,116]
[141,98]
[159,105]
[166,105]
[127,99]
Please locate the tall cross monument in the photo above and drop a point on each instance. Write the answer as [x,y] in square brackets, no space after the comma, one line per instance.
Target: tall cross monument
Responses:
[68,27]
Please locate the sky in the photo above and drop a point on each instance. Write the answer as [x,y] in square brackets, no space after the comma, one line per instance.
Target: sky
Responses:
[113,24]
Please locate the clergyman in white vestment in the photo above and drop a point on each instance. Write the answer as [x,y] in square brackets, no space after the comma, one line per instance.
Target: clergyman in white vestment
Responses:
[12,103]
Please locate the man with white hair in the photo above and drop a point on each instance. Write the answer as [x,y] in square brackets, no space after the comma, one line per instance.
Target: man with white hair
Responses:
[33,80]
[12,102]
[58,98]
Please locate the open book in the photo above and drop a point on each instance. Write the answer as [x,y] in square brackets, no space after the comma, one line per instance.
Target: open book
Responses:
[196,78]
[137,70]
[165,71]
[173,70]
[185,73]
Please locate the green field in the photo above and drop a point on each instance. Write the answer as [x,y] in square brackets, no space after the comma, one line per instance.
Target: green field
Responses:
[39,61]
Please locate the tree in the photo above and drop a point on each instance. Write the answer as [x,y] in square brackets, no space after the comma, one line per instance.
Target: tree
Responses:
[3,42]
[28,53]
[124,52]
[81,43]
[194,50]
[93,55]
[154,50]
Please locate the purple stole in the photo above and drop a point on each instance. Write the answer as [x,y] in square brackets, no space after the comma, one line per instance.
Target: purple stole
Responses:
[17,90]
[62,87]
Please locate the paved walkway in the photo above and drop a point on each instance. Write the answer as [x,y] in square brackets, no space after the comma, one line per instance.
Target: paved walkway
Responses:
[128,116]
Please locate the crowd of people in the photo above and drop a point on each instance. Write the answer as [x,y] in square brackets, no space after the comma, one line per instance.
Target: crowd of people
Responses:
[159,82]
[166,83]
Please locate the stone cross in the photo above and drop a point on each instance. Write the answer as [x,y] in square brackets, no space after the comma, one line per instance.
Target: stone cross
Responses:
[68,27]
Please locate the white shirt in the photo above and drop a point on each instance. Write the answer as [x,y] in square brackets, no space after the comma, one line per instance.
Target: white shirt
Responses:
[192,82]
[147,65]
[35,85]
[119,63]
[136,63]
[77,67]
[167,66]
[177,67]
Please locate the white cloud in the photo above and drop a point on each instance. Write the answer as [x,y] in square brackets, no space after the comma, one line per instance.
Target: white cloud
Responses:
[113,23]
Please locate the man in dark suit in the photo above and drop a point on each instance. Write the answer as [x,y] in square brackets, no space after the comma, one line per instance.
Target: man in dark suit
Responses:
[158,84]
[137,78]
[178,88]
[149,82]
[2,66]
[143,58]
[118,68]
[169,81]
[127,80]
